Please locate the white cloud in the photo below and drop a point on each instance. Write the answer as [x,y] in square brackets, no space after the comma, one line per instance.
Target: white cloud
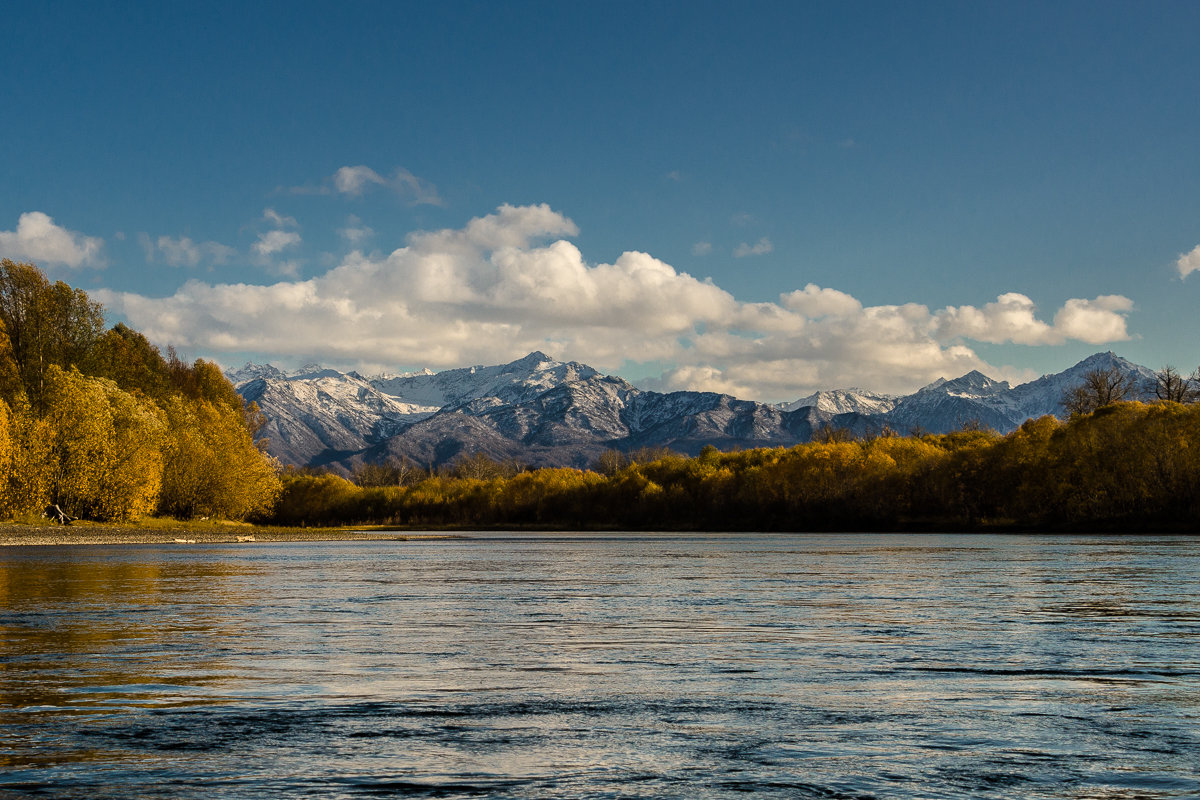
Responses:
[416,191]
[183,252]
[508,283]
[761,247]
[355,232]
[273,242]
[1189,262]
[279,220]
[1094,321]
[813,301]
[356,181]
[701,248]
[1011,319]
[38,239]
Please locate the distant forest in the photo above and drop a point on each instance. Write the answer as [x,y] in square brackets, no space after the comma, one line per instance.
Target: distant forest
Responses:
[104,426]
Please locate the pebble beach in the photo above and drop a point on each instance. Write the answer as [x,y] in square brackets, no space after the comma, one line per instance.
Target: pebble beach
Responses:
[96,534]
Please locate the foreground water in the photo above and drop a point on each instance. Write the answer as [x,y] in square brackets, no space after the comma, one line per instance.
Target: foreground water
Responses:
[605,666]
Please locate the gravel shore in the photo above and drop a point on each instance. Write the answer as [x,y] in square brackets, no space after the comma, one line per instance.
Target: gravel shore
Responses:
[89,534]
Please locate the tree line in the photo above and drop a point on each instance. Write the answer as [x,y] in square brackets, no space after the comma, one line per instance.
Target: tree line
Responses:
[101,424]
[1123,466]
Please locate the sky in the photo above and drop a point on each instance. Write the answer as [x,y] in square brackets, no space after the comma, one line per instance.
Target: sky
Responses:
[761,198]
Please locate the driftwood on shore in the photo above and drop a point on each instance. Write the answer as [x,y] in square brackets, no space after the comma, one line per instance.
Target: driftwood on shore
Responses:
[55,513]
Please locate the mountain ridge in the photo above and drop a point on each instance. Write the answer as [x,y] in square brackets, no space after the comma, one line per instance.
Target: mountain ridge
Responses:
[545,412]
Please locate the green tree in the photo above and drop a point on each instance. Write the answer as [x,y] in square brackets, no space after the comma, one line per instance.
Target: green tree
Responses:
[46,324]
[126,357]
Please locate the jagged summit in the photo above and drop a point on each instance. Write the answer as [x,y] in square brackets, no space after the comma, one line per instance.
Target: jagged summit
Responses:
[844,401]
[251,371]
[975,384]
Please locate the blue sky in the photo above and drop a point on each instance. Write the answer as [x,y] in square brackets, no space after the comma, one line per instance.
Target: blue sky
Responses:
[647,187]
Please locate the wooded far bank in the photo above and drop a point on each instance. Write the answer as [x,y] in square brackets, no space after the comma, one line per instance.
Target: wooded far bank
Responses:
[1126,466]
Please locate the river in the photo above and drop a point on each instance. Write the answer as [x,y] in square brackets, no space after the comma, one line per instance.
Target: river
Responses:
[621,665]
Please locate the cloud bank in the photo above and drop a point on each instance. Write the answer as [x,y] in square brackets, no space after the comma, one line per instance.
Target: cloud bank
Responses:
[38,239]
[511,282]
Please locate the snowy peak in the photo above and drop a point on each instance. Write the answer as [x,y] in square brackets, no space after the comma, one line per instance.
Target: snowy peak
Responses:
[973,384]
[845,401]
[517,381]
[315,372]
[1044,395]
[251,371]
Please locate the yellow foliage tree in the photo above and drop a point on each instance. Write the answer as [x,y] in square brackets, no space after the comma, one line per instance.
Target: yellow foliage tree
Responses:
[104,459]
[212,467]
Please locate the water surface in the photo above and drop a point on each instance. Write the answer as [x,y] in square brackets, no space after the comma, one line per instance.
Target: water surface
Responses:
[605,666]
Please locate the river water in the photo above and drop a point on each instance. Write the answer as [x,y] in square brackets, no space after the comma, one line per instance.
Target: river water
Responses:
[583,665]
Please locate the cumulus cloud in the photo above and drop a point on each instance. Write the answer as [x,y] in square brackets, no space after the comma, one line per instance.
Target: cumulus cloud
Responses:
[759,248]
[813,301]
[183,252]
[701,248]
[38,239]
[355,181]
[510,282]
[1189,262]
[1012,319]
[1094,321]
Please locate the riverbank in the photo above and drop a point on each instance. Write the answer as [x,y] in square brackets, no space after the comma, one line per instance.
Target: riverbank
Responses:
[173,532]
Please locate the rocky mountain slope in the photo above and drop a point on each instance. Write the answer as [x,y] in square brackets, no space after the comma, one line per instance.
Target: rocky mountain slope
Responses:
[540,411]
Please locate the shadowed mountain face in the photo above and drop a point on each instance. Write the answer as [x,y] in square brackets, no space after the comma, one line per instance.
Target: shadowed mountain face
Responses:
[544,412]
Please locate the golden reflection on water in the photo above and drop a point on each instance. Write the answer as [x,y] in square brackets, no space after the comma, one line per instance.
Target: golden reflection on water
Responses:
[80,633]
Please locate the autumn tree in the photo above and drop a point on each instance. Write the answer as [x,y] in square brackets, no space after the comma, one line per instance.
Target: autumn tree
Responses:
[212,467]
[10,376]
[479,466]
[104,459]
[127,358]
[393,472]
[46,324]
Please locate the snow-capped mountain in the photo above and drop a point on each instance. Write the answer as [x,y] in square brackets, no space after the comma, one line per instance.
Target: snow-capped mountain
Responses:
[315,411]
[975,399]
[845,401]
[1044,395]
[944,405]
[513,383]
[546,412]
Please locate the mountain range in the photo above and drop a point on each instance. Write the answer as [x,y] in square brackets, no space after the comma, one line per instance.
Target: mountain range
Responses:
[544,412]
